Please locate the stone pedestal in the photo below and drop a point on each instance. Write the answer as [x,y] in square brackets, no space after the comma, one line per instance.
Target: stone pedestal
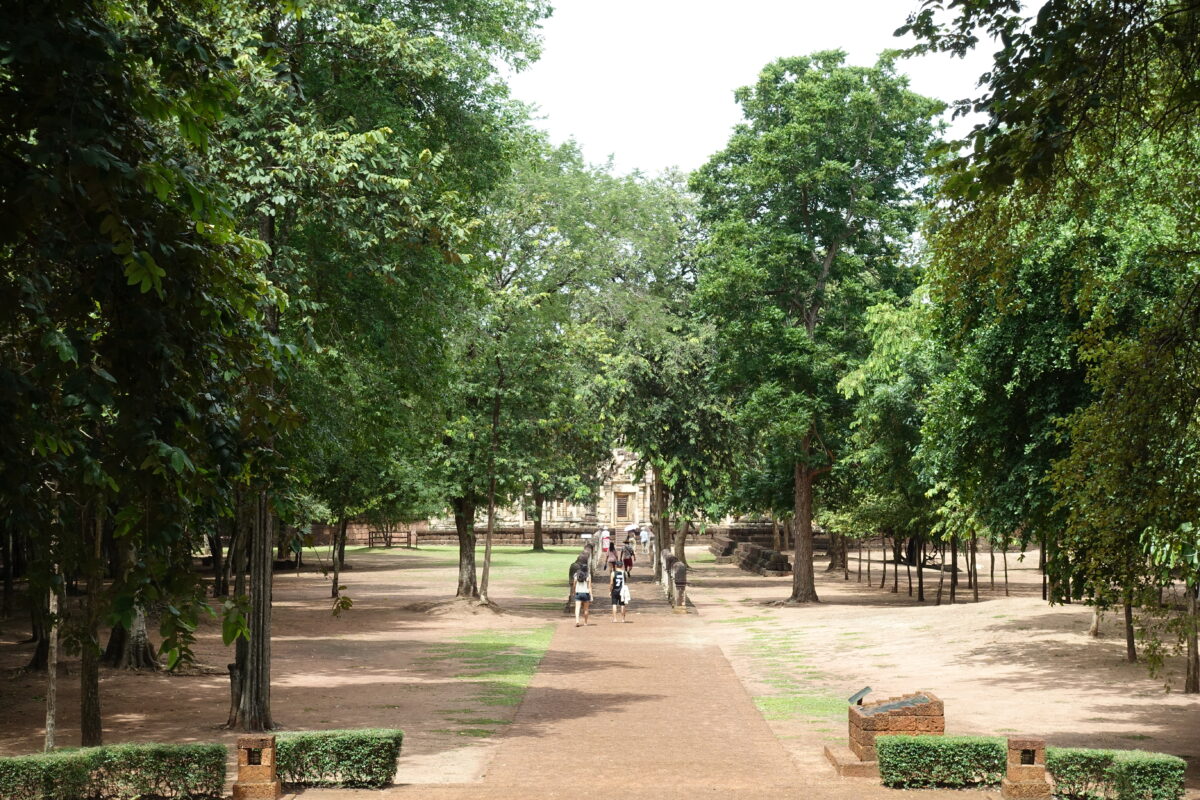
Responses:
[1026,775]
[921,713]
[256,779]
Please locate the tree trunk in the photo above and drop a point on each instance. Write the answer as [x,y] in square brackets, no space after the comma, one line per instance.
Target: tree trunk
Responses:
[895,564]
[1042,567]
[681,540]
[921,572]
[1191,679]
[538,501]
[975,569]
[953,567]
[6,602]
[775,543]
[238,561]
[860,554]
[52,671]
[130,648]
[1097,614]
[1130,645]
[908,572]
[941,573]
[804,582]
[870,580]
[991,566]
[464,525]
[220,588]
[1006,568]
[883,546]
[339,548]
[254,711]
[659,521]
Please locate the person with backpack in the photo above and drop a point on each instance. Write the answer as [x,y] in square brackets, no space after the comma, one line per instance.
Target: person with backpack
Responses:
[581,585]
[627,557]
[618,589]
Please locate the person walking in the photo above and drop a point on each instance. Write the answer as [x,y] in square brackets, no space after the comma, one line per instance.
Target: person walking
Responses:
[644,536]
[618,589]
[581,584]
[627,557]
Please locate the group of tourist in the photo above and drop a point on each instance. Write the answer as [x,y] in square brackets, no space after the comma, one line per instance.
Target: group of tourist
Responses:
[617,562]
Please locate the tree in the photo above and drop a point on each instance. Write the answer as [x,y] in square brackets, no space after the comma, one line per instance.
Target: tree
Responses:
[809,205]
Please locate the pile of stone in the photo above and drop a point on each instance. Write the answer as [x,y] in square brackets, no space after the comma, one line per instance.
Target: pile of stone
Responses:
[761,560]
[722,547]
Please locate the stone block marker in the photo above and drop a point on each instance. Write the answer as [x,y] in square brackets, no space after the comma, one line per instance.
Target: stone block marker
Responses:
[1026,775]
[256,778]
[920,713]
[915,714]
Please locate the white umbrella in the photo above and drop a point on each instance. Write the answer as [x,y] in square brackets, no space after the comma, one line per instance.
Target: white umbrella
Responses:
[630,528]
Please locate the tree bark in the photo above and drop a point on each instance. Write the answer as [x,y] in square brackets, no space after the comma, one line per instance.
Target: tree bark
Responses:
[1094,628]
[883,546]
[895,564]
[975,569]
[1191,678]
[941,573]
[681,540]
[90,727]
[1130,644]
[538,501]
[238,561]
[130,648]
[6,602]
[908,572]
[953,567]
[804,582]
[254,711]
[778,547]
[1006,568]
[464,525]
[220,587]
[860,554]
[339,548]
[52,670]
[1042,567]
[921,572]
[659,521]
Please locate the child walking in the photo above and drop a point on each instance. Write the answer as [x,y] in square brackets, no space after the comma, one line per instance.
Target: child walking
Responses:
[618,587]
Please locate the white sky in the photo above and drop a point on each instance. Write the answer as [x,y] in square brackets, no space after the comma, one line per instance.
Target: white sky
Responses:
[651,81]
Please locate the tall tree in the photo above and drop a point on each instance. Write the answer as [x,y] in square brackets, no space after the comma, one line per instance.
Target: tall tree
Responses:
[809,205]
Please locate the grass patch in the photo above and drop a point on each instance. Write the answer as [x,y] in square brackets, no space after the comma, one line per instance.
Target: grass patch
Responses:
[500,664]
[817,707]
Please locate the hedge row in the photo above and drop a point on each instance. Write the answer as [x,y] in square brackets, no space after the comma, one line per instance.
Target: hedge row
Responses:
[1079,774]
[921,761]
[117,772]
[359,759]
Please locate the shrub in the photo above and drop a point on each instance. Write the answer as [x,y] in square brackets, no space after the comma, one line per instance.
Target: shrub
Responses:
[1079,773]
[1137,775]
[917,761]
[117,772]
[360,759]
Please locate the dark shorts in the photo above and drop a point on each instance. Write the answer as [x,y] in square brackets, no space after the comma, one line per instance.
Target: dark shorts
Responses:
[616,598]
[584,596]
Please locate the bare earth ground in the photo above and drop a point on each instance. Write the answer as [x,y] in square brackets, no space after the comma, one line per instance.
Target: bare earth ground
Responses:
[666,703]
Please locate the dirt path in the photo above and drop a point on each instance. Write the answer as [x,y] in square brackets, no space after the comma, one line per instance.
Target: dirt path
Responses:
[651,705]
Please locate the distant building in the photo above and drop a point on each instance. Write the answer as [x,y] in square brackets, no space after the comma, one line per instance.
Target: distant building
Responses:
[622,501]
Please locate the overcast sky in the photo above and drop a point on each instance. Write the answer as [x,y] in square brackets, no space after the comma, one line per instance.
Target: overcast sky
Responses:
[651,81]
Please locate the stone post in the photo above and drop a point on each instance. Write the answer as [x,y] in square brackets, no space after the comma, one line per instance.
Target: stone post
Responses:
[256,778]
[680,580]
[1026,769]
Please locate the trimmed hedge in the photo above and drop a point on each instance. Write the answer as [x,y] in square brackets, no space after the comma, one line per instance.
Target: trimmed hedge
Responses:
[117,772]
[922,761]
[356,759]
[1082,774]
